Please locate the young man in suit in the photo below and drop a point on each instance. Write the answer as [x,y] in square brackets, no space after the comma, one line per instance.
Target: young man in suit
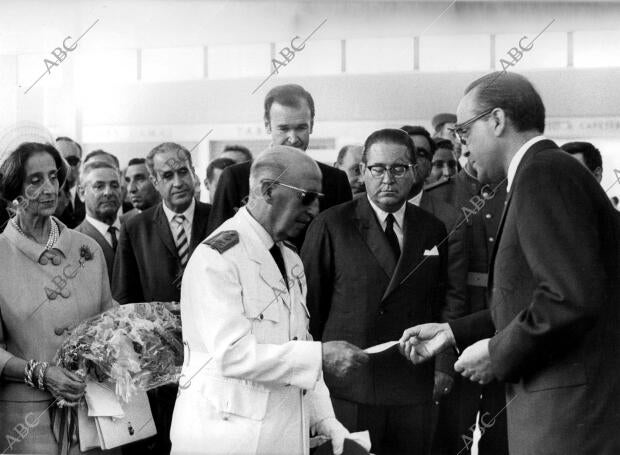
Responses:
[552,330]
[153,249]
[100,190]
[374,266]
[289,119]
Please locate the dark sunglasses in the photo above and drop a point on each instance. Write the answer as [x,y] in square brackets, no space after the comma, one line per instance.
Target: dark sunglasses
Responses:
[306,197]
[73,160]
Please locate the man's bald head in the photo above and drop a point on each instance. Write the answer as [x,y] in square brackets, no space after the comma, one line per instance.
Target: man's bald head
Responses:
[284,183]
[282,163]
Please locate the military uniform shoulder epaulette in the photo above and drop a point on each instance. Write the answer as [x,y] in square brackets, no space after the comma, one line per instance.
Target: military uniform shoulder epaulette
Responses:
[223,241]
[290,245]
[437,184]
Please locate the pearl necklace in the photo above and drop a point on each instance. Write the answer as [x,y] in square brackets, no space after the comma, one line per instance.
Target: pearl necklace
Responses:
[52,237]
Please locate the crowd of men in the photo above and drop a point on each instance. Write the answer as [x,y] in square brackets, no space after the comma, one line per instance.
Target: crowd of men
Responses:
[401,231]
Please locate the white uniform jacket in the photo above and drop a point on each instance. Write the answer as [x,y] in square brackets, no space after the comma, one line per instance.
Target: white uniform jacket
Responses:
[251,381]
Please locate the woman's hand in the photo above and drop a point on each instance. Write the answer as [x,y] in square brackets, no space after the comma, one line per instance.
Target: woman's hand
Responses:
[64,385]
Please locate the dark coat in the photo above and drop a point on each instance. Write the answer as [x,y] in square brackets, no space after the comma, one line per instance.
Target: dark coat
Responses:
[357,293]
[554,303]
[147,266]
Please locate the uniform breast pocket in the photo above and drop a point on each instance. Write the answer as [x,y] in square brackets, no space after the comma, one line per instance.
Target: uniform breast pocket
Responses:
[265,321]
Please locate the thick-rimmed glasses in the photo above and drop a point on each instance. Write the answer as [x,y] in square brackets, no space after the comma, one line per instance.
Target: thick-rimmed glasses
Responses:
[305,196]
[396,170]
[461,129]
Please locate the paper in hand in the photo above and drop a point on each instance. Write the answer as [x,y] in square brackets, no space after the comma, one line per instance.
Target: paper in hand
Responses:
[379,348]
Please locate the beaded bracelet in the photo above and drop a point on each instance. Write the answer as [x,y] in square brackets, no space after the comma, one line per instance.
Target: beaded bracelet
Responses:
[41,376]
[30,366]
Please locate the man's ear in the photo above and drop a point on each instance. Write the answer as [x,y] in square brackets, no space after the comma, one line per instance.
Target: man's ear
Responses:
[311,126]
[267,125]
[266,189]
[80,191]
[500,121]
[598,174]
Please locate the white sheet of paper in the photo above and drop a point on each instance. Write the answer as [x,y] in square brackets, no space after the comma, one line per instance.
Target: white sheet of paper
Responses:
[102,401]
[380,347]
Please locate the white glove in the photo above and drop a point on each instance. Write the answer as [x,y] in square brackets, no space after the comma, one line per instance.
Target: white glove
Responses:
[334,430]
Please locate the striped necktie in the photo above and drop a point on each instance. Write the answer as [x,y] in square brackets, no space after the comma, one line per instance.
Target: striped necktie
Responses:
[181,239]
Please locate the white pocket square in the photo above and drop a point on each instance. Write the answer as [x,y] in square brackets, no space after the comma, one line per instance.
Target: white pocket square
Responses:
[432,252]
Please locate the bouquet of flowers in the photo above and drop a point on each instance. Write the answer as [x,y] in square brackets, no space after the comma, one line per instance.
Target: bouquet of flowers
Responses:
[134,347]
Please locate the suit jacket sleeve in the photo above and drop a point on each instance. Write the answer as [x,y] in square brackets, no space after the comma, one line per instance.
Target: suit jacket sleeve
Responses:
[212,297]
[227,198]
[126,286]
[557,232]
[316,255]
[471,328]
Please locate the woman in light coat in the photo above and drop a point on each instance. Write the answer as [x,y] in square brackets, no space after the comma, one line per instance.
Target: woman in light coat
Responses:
[51,279]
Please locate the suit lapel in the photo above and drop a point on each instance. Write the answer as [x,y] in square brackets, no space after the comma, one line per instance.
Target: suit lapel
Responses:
[412,254]
[529,154]
[199,225]
[163,229]
[373,235]
[100,239]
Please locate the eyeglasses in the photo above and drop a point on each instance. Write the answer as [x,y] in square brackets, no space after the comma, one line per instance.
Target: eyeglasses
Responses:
[461,129]
[396,170]
[306,197]
[73,160]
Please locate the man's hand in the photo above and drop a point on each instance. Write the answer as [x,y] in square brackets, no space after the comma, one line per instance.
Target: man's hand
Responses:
[443,385]
[425,341]
[341,358]
[333,430]
[475,362]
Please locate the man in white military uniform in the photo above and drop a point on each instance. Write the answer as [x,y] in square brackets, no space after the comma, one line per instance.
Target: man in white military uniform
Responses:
[252,381]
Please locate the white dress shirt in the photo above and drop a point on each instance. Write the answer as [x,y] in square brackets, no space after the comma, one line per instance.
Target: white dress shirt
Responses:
[187,222]
[399,219]
[514,162]
[103,227]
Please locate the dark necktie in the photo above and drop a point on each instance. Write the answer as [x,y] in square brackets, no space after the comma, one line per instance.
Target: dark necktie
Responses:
[391,235]
[277,256]
[112,231]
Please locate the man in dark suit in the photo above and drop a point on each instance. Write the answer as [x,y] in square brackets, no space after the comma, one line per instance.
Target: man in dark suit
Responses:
[100,190]
[153,249]
[553,324]
[289,119]
[70,209]
[373,266]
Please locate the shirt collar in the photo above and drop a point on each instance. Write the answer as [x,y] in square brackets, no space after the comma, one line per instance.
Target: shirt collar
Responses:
[101,226]
[399,215]
[516,159]
[188,213]
[415,200]
[258,229]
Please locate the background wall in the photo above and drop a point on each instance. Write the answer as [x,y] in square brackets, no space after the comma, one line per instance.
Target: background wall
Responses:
[150,71]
